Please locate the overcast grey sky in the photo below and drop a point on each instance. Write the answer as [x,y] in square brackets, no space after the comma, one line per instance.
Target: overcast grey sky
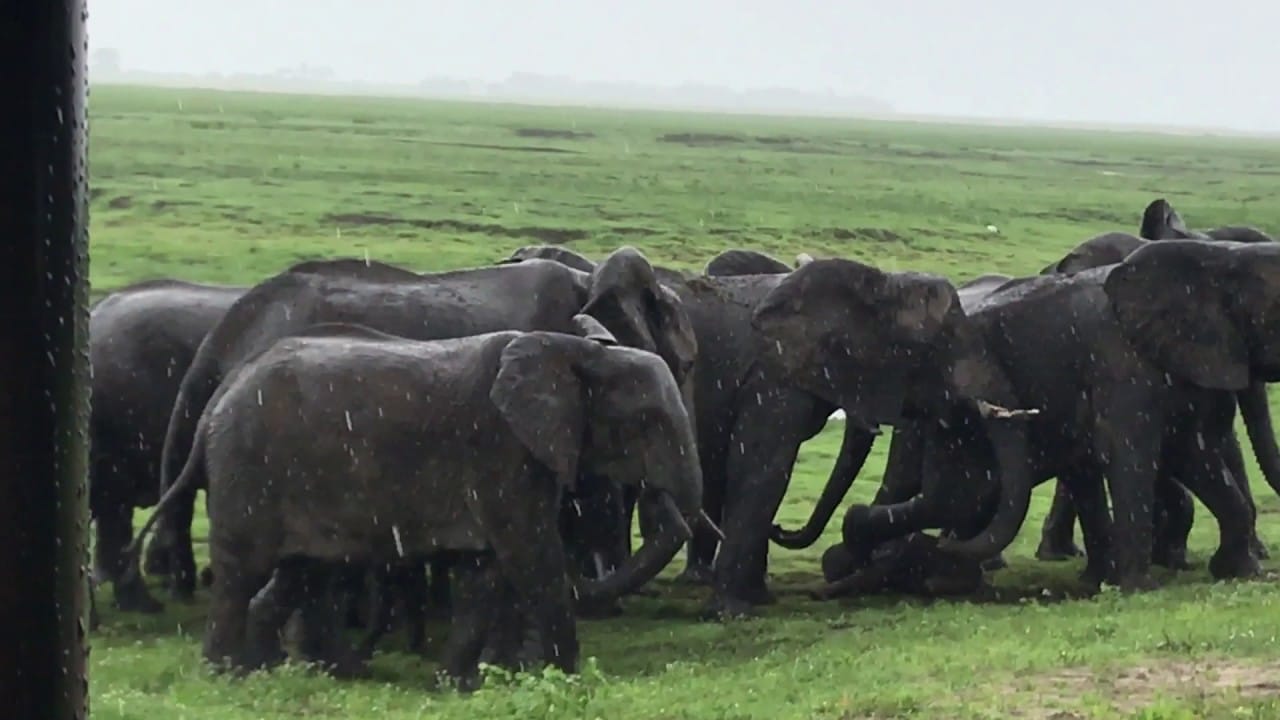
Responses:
[1175,62]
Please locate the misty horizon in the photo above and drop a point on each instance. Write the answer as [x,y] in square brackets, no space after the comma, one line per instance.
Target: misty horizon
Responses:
[1162,64]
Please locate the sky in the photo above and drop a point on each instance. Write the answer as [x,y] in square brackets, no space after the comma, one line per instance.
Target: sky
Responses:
[1176,62]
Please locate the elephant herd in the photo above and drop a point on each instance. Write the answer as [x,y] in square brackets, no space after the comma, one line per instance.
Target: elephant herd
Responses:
[478,442]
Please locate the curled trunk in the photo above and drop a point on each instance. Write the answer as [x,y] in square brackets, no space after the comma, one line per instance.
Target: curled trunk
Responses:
[1257,422]
[1009,442]
[854,449]
[664,537]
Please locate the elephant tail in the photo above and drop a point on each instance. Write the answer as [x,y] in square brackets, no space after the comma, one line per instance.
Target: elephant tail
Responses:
[853,455]
[192,473]
[1257,422]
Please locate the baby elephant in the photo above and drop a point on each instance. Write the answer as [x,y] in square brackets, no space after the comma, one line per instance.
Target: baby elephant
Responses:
[350,448]
[910,565]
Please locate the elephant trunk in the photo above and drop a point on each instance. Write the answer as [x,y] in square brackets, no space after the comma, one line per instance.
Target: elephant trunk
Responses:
[1257,422]
[1009,441]
[854,449]
[666,534]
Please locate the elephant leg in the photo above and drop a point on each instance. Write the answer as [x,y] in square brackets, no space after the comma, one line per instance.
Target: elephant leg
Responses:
[227,624]
[176,536]
[1084,486]
[1173,525]
[115,531]
[269,610]
[381,599]
[538,580]
[477,589]
[1235,463]
[439,596]
[1056,537]
[1129,435]
[759,467]
[1206,474]
[699,567]
[864,581]
[414,596]
[320,627]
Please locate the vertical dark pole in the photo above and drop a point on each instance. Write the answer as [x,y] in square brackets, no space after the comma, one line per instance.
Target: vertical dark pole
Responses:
[43,359]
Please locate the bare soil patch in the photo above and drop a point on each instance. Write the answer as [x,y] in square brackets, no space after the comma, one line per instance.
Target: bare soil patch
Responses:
[1129,689]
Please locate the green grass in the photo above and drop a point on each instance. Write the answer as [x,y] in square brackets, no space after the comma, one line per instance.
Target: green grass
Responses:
[232,187]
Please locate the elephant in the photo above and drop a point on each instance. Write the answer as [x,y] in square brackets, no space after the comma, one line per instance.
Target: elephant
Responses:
[1095,407]
[750,423]
[1160,222]
[297,470]
[621,292]
[556,253]
[743,262]
[910,565]
[142,338]
[967,293]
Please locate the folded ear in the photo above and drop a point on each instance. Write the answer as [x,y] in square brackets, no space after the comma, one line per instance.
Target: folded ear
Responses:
[591,329]
[1169,298]
[541,398]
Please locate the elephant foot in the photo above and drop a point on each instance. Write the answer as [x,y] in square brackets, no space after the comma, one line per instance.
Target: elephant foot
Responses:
[182,594]
[1138,583]
[696,575]
[132,596]
[206,577]
[724,608]
[1259,548]
[1050,551]
[463,684]
[1172,558]
[1225,565]
[992,564]
[760,595]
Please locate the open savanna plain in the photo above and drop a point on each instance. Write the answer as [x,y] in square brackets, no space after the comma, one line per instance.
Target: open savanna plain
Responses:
[226,187]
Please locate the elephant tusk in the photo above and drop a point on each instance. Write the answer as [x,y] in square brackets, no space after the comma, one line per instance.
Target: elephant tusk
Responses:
[706,521]
[990,410]
[602,571]
[803,259]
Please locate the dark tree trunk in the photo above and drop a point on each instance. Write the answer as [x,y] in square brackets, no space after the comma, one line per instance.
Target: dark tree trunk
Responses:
[43,360]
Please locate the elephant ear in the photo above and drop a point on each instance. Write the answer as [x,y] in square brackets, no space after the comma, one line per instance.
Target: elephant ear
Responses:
[920,304]
[541,399]
[626,297]
[591,329]
[1161,222]
[1170,303]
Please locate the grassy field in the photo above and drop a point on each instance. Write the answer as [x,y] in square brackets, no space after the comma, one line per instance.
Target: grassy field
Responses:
[232,187]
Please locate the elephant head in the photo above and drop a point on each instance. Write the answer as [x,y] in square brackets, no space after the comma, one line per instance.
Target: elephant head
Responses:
[626,296]
[1105,249]
[584,405]
[550,252]
[1161,222]
[1205,312]
[744,262]
[854,335]
[898,348]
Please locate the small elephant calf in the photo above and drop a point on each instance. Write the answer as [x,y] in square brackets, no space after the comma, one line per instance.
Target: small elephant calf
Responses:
[911,565]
